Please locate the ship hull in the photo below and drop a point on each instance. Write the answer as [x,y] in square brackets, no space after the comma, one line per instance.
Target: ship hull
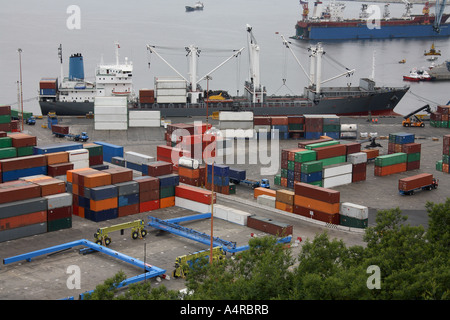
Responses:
[360,31]
[66,108]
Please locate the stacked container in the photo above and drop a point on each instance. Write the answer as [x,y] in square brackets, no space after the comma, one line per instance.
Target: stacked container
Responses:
[58,163]
[193,198]
[221,178]
[111,113]
[95,153]
[15,168]
[79,158]
[284,200]
[413,152]
[349,131]
[236,120]
[262,126]
[317,203]
[170,154]
[330,153]
[311,173]
[331,126]
[337,175]
[390,164]
[191,172]
[296,126]
[58,147]
[144,119]
[354,215]
[359,165]
[440,118]
[231,215]
[148,193]
[48,86]
[443,165]
[279,127]
[127,198]
[110,150]
[24,143]
[137,161]
[167,185]
[59,211]
[313,126]
[404,142]
[170,90]
[5,118]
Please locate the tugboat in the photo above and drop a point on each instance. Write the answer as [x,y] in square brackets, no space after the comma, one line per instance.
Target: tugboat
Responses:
[198,6]
[417,75]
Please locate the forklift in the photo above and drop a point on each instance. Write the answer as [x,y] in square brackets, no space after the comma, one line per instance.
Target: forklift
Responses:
[412,120]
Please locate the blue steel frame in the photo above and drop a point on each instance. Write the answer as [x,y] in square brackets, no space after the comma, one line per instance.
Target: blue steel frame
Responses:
[151,271]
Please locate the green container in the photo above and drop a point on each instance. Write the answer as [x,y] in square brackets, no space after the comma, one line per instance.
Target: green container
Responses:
[6,153]
[277,180]
[311,166]
[390,159]
[291,165]
[167,192]
[331,128]
[413,157]
[439,165]
[445,158]
[94,150]
[333,160]
[5,142]
[433,123]
[25,151]
[284,173]
[59,224]
[232,188]
[353,222]
[305,156]
[316,183]
[6,118]
[295,127]
[321,144]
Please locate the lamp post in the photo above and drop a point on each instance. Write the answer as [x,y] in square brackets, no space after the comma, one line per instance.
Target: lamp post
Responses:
[21,91]
[214,132]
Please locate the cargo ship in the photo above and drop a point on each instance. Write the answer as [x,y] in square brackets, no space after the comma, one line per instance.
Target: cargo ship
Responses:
[329,24]
[181,97]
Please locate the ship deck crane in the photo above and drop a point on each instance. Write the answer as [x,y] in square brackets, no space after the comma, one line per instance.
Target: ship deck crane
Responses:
[440,7]
[411,120]
[254,84]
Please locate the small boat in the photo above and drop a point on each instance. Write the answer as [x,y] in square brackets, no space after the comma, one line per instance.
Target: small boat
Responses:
[417,75]
[433,58]
[198,6]
[433,52]
[402,61]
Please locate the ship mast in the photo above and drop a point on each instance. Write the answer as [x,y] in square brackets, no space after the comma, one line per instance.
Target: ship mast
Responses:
[255,77]
[61,62]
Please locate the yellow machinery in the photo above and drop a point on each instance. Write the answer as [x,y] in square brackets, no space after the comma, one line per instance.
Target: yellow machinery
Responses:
[413,120]
[137,231]
[185,262]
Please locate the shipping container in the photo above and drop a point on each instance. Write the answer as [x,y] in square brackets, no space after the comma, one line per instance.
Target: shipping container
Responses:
[317,214]
[260,191]
[148,205]
[415,182]
[269,226]
[391,169]
[317,193]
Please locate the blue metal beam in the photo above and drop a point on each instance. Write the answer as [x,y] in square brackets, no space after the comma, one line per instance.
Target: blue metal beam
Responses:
[190,218]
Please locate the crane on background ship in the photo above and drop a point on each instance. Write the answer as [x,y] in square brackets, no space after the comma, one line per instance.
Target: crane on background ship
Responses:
[440,7]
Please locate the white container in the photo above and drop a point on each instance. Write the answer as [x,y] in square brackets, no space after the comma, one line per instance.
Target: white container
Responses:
[79,164]
[111,118]
[220,211]
[77,155]
[144,123]
[192,205]
[357,157]
[235,116]
[348,135]
[188,163]
[335,181]
[354,210]
[171,92]
[259,128]
[238,133]
[170,83]
[138,158]
[111,125]
[336,170]
[101,110]
[233,124]
[110,101]
[238,216]
[144,115]
[266,200]
[60,200]
[171,99]
[349,127]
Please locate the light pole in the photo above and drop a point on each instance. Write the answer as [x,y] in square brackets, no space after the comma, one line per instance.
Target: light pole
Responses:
[21,91]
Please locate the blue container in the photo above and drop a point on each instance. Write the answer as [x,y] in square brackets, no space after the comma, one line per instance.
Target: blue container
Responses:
[134,166]
[51,148]
[237,174]
[110,151]
[311,135]
[118,161]
[311,177]
[403,138]
[220,180]
[290,174]
[127,187]
[219,170]
[84,202]
[48,92]
[100,167]
[169,180]
[104,192]
[16,174]
[128,199]
[281,128]
[290,183]
[104,215]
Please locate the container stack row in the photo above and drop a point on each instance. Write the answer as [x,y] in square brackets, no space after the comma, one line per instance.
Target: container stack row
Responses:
[194,198]
[440,118]
[443,165]
[167,185]
[220,179]
[7,123]
[405,142]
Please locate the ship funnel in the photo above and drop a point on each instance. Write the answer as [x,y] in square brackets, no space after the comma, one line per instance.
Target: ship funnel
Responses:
[76,68]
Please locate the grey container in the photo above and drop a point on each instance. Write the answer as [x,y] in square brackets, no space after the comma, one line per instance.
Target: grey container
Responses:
[17,208]
[128,187]
[22,232]
[60,200]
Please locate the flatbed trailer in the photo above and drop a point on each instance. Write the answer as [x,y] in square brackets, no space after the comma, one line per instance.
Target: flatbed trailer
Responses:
[425,181]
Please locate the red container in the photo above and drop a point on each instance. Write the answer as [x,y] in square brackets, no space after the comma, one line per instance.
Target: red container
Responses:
[160,168]
[269,226]
[314,124]
[147,183]
[359,168]
[411,148]
[359,176]
[128,210]
[392,169]
[5,127]
[297,176]
[414,165]
[150,195]
[194,194]
[3,134]
[353,147]
[297,167]
[330,151]
[95,160]
[59,169]
[59,213]
[181,129]
[48,84]
[5,110]
[279,121]
[119,174]
[61,129]
[284,164]
[316,192]
[18,190]
[23,163]
[443,109]
[20,140]
[414,182]
[196,182]
[23,220]
[148,206]
[296,119]
[317,215]
[262,121]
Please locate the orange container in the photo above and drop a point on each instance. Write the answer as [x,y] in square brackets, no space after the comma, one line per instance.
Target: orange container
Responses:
[260,191]
[51,186]
[23,220]
[57,157]
[97,180]
[445,168]
[283,182]
[316,204]
[101,205]
[283,206]
[75,189]
[387,170]
[80,211]
[71,174]
[167,202]
[189,173]
[371,153]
